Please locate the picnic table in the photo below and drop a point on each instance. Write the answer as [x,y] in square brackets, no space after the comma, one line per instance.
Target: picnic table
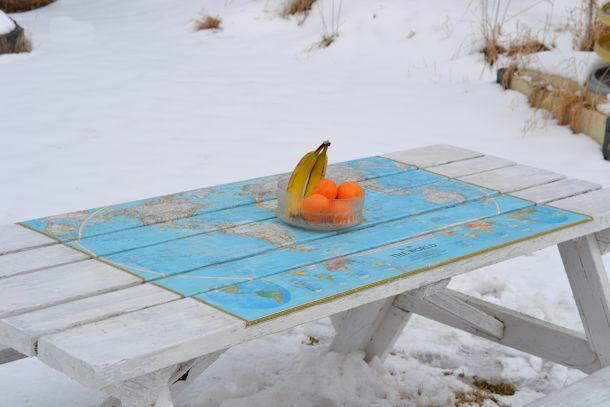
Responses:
[139,298]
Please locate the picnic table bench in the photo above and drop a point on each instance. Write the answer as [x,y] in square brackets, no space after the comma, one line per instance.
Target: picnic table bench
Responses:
[137,299]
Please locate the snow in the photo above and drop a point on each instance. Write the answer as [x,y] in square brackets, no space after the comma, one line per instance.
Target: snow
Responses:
[6,24]
[123,100]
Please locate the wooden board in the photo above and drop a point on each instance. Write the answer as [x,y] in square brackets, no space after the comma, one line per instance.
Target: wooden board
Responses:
[513,178]
[27,261]
[556,190]
[21,332]
[431,156]
[471,166]
[592,391]
[14,238]
[60,284]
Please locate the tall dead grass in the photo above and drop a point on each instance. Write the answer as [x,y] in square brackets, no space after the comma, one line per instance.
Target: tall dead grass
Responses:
[294,7]
[584,25]
[494,15]
[330,14]
[15,42]
[15,6]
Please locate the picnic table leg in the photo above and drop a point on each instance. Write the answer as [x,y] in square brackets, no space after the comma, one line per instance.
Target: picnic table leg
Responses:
[374,328]
[159,388]
[587,275]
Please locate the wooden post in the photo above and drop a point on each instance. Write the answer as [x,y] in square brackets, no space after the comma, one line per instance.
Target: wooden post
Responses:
[585,269]
[158,389]
[374,328]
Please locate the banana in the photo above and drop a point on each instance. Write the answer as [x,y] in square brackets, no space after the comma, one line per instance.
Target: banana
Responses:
[318,171]
[299,178]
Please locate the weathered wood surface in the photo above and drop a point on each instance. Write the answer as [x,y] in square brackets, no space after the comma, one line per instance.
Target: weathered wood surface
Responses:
[22,331]
[512,178]
[27,261]
[52,286]
[603,238]
[520,331]
[392,323]
[114,344]
[14,238]
[445,308]
[553,191]
[592,391]
[471,166]
[431,156]
[587,275]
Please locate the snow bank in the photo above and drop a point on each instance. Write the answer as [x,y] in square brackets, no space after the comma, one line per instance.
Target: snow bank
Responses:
[6,24]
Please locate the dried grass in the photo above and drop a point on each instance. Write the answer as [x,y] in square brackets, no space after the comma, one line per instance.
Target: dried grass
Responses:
[472,397]
[565,106]
[494,15]
[15,6]
[525,46]
[503,389]
[294,7]
[208,23]
[18,45]
[330,17]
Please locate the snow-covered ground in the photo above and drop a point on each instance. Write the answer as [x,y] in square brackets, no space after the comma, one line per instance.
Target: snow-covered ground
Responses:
[122,100]
[6,24]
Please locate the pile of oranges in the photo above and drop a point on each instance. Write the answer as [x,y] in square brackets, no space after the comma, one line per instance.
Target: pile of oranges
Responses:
[330,203]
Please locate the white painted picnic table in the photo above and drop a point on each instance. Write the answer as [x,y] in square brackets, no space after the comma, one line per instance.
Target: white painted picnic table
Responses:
[137,299]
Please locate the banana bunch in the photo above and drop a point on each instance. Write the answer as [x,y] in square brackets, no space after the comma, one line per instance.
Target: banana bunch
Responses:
[306,175]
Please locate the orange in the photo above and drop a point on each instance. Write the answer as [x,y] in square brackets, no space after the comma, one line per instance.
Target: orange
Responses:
[341,211]
[314,207]
[349,190]
[326,187]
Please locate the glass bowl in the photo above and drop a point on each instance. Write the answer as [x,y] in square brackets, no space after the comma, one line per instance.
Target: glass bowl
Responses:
[341,213]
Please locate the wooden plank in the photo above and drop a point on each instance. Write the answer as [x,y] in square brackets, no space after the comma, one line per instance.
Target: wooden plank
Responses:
[594,203]
[9,355]
[37,259]
[449,310]
[521,332]
[511,179]
[392,324]
[592,391]
[471,166]
[603,238]
[553,191]
[431,156]
[154,334]
[587,275]
[16,237]
[21,332]
[45,288]
[121,347]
